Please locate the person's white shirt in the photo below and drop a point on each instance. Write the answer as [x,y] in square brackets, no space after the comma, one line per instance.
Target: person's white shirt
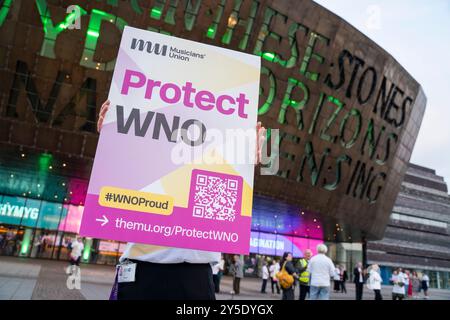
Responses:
[276,269]
[396,279]
[406,277]
[337,274]
[361,278]
[321,269]
[159,254]
[217,267]
[265,272]
[427,279]
[77,248]
[271,270]
[375,280]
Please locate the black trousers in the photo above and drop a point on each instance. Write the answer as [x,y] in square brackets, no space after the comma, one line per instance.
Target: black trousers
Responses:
[236,285]
[397,296]
[343,287]
[378,295]
[337,285]
[263,287]
[216,280]
[178,281]
[303,291]
[288,294]
[359,290]
[275,284]
[75,262]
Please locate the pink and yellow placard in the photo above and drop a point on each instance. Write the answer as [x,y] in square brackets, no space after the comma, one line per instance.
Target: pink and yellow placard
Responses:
[174,162]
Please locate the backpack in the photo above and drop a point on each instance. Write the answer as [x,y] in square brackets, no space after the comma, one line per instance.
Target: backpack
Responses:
[284,278]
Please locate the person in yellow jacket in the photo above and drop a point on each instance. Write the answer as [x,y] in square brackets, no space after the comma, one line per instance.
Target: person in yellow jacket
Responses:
[303,277]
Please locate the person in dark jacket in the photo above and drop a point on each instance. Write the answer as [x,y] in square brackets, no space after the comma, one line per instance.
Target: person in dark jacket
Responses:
[286,261]
[358,279]
[238,273]
[344,278]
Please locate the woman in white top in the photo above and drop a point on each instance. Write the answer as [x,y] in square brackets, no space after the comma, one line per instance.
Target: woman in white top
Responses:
[398,290]
[425,284]
[375,281]
[273,270]
[337,279]
[164,273]
[217,271]
[265,277]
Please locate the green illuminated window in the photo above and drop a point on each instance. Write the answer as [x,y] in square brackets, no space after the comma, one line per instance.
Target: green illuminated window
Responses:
[92,36]
[296,105]
[211,32]
[269,56]
[212,29]
[51,31]
[190,13]
[235,20]
[272,90]
[45,161]
[4,11]
[310,54]
[156,13]
[264,33]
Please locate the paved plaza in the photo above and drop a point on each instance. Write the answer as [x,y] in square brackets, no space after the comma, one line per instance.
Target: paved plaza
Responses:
[38,279]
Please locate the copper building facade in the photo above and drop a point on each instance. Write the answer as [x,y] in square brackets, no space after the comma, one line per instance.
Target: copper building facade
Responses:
[347,112]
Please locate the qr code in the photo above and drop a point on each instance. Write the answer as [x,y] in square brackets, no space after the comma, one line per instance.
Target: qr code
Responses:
[215,196]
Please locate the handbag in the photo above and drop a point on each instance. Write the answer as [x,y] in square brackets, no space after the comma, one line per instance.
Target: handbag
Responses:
[284,278]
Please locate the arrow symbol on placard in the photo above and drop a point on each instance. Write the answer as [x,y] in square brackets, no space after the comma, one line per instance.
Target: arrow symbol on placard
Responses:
[104,220]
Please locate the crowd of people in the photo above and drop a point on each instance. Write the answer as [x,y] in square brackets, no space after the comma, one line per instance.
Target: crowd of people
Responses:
[314,276]
[10,243]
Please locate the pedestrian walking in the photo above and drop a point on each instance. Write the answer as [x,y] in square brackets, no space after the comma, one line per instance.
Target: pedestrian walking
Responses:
[416,284]
[321,270]
[425,285]
[238,274]
[409,288]
[374,282]
[398,280]
[406,277]
[286,276]
[344,278]
[273,270]
[358,279]
[303,278]
[265,277]
[75,255]
[217,271]
[337,279]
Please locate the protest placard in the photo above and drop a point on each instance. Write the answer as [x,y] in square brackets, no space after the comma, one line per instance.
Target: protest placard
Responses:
[175,159]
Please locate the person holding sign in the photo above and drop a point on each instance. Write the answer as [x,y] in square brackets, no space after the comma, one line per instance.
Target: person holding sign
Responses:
[157,272]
